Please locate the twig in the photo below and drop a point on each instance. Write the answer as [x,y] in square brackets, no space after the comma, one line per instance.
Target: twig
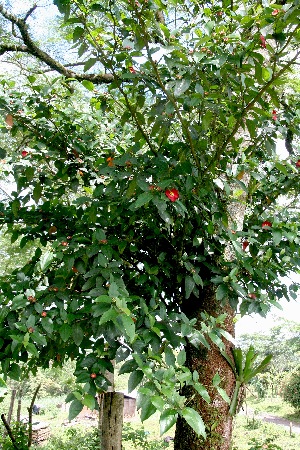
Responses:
[30,415]
[9,432]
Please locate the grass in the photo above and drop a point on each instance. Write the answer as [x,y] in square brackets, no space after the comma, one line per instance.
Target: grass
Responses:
[275,406]
[245,428]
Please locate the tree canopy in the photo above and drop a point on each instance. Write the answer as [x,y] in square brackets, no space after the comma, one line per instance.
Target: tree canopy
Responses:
[146,174]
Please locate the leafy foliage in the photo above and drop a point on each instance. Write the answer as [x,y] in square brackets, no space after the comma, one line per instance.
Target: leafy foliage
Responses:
[128,184]
[291,390]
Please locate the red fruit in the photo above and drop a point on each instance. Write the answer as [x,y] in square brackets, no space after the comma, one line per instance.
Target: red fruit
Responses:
[266,224]
[64,243]
[74,269]
[44,314]
[275,12]
[30,330]
[93,375]
[298,163]
[24,153]
[31,299]
[172,194]
[132,70]
[103,241]
[245,244]
[262,41]
[252,295]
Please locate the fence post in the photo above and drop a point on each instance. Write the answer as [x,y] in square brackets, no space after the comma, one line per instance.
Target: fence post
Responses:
[112,421]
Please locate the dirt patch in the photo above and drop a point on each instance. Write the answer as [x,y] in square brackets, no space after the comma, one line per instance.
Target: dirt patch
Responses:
[294,427]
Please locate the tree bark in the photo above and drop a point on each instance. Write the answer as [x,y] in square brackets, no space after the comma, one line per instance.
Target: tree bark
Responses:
[207,363]
[112,421]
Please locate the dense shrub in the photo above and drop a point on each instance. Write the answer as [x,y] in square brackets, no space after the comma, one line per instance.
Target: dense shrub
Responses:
[19,431]
[291,391]
[139,439]
[75,439]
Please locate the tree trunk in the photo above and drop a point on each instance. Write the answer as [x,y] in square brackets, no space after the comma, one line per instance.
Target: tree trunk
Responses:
[112,421]
[207,363]
[11,406]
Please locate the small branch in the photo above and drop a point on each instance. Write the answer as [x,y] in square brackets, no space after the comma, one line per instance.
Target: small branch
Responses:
[30,12]
[30,415]
[248,108]
[9,432]
[35,51]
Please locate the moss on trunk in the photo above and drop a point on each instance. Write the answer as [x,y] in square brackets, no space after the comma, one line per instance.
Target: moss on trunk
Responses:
[207,363]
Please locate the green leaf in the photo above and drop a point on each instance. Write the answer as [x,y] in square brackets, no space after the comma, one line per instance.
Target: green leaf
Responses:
[89,64]
[88,85]
[134,379]
[142,199]
[128,366]
[31,348]
[181,357]
[167,419]
[15,206]
[47,324]
[169,357]
[189,286]
[65,332]
[89,401]
[147,408]
[129,327]
[75,408]
[277,236]
[202,391]
[2,153]
[77,334]
[77,33]
[181,86]
[15,372]
[45,261]
[38,338]
[109,315]
[221,292]
[37,192]
[223,394]
[19,301]
[194,419]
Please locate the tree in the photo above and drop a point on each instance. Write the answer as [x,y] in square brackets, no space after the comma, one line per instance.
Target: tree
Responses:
[150,179]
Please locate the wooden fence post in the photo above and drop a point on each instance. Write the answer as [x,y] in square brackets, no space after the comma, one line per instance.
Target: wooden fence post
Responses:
[112,421]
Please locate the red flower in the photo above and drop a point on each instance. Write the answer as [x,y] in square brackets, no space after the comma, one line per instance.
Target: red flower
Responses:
[266,223]
[132,70]
[262,41]
[274,114]
[172,194]
[24,153]
[245,245]
[298,163]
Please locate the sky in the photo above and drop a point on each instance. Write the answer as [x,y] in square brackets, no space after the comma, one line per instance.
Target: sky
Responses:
[255,323]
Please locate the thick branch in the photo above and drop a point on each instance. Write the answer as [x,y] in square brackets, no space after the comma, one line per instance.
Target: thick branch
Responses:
[31,48]
[13,48]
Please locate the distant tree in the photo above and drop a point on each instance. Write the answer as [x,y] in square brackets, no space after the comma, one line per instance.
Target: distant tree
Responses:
[291,392]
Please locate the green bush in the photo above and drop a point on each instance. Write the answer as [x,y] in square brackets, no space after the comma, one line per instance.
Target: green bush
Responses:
[74,438]
[19,431]
[291,390]
[267,444]
[139,439]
